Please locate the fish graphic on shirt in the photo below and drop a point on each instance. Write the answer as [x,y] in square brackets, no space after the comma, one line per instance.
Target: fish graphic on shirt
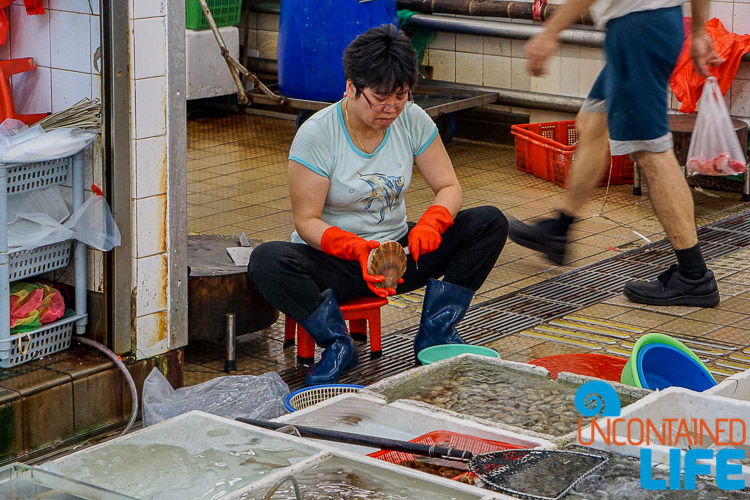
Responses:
[385,191]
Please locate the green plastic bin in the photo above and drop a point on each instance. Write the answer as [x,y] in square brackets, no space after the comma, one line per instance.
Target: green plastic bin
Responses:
[225,13]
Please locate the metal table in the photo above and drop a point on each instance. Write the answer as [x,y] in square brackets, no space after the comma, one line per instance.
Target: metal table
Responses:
[437,100]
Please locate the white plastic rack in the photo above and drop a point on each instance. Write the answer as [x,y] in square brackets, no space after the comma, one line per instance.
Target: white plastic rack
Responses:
[16,349]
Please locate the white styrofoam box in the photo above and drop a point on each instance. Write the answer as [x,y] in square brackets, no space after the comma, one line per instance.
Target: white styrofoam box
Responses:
[676,403]
[205,69]
[151,459]
[736,387]
[433,372]
[369,414]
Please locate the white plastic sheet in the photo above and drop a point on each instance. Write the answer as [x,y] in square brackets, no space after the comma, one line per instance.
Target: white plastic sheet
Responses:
[231,397]
[22,144]
[42,217]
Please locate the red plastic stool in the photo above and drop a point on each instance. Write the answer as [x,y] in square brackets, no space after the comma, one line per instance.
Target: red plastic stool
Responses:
[7,107]
[358,312]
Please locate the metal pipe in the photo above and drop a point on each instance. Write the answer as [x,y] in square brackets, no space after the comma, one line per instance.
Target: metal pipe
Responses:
[483,8]
[501,29]
[229,364]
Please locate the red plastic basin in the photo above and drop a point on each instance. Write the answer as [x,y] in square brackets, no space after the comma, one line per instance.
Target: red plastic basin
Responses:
[600,366]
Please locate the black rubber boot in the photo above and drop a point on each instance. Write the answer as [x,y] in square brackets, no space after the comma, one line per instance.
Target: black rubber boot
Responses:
[444,305]
[541,237]
[671,288]
[327,326]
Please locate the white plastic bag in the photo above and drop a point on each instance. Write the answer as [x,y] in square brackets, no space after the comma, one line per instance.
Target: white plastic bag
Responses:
[22,144]
[231,397]
[714,147]
[42,218]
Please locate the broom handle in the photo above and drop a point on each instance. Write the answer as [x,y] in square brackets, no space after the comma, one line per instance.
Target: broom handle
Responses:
[362,440]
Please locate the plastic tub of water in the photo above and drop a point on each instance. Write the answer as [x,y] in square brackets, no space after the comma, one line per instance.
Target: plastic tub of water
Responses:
[444,351]
[20,481]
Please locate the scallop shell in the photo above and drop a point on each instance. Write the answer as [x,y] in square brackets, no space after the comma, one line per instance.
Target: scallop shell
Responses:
[389,259]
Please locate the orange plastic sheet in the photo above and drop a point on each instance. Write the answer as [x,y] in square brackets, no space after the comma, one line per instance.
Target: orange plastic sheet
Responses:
[687,84]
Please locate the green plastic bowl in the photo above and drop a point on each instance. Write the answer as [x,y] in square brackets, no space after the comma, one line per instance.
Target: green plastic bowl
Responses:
[630,370]
[445,351]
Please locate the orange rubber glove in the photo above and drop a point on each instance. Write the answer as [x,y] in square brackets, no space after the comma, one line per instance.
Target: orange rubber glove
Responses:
[425,237]
[345,245]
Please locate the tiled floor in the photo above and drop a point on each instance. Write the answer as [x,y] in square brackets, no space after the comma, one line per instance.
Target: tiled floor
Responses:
[237,182]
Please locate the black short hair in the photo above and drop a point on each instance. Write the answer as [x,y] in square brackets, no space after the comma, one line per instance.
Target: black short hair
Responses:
[383,59]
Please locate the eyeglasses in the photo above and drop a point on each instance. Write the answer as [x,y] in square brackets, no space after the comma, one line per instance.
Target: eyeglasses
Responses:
[383,107]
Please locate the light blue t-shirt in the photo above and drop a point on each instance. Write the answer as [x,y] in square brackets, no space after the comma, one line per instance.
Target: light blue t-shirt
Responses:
[366,193]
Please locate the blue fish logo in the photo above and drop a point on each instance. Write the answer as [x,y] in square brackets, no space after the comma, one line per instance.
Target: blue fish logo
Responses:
[384,191]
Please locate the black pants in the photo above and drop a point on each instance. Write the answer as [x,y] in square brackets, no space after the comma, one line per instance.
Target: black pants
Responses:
[291,276]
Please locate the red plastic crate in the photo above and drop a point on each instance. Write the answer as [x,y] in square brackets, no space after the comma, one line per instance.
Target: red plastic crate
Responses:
[475,445]
[547,150]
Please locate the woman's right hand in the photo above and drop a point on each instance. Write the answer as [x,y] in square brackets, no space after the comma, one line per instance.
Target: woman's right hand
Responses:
[346,245]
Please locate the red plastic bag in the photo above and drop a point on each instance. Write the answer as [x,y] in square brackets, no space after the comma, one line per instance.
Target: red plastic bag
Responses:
[685,81]
[714,147]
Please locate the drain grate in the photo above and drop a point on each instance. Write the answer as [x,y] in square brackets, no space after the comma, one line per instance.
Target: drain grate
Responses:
[625,268]
[723,237]
[739,223]
[598,281]
[561,291]
[531,306]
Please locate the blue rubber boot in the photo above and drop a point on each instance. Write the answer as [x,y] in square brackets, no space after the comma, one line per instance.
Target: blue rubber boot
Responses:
[327,326]
[444,306]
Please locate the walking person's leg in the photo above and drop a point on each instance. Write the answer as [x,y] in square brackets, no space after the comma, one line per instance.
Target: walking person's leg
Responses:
[549,235]
[689,282]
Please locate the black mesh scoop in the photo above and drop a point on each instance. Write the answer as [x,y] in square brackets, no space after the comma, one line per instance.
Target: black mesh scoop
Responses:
[534,474]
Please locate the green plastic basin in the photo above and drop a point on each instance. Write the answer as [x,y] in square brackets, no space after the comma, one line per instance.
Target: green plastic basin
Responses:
[630,370]
[445,351]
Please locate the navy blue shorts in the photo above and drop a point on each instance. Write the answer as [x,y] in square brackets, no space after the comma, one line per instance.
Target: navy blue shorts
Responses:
[641,49]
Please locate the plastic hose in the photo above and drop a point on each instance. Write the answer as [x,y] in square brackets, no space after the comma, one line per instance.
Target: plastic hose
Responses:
[124,370]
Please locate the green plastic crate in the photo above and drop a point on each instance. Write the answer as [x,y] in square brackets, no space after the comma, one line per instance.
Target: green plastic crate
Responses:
[225,12]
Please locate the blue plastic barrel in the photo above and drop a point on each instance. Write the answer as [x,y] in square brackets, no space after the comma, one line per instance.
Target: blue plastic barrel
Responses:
[312,37]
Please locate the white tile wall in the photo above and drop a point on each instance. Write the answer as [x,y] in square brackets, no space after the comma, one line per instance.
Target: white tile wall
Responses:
[32,90]
[151,166]
[151,220]
[29,35]
[150,47]
[152,334]
[151,295]
[149,230]
[150,107]
[69,87]
[148,8]
[741,19]
[70,41]
[571,72]
[78,6]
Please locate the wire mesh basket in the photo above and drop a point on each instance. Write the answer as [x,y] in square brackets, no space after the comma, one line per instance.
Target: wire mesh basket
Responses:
[302,398]
[49,339]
